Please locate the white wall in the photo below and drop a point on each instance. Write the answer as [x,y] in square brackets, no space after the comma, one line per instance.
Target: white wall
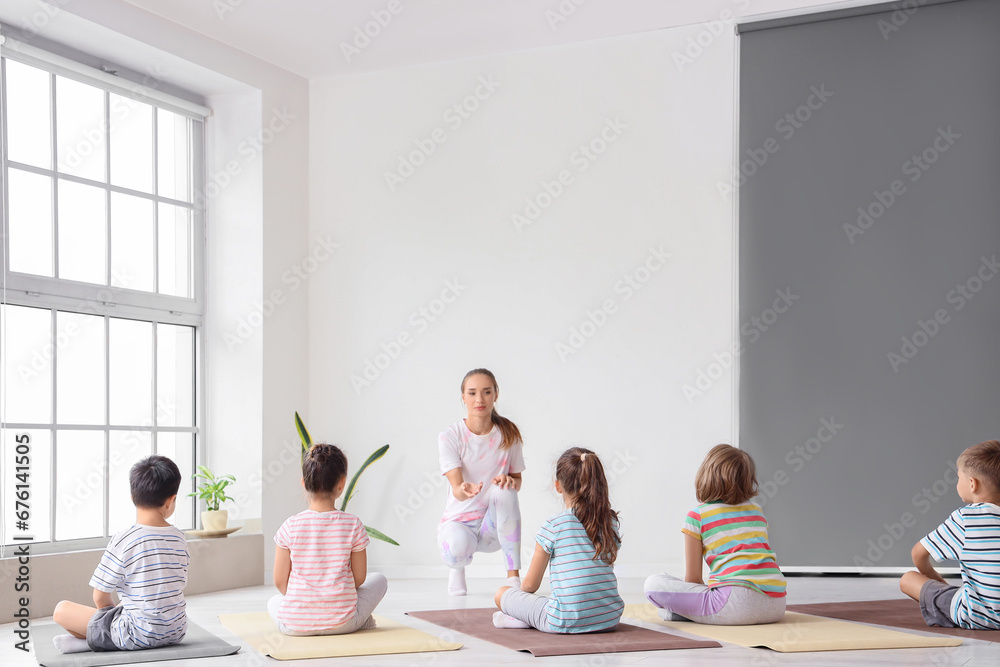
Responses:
[621,392]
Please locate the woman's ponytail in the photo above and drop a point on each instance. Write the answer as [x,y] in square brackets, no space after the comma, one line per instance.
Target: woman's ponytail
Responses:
[581,474]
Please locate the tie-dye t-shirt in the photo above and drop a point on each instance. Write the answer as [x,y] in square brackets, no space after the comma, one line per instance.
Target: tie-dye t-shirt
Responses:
[481,459]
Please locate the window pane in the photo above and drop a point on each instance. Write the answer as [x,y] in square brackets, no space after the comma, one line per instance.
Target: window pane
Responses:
[79,484]
[30,200]
[131,372]
[175,250]
[81,129]
[27,351]
[174,375]
[132,242]
[173,155]
[80,370]
[127,448]
[131,144]
[82,233]
[177,447]
[39,482]
[29,117]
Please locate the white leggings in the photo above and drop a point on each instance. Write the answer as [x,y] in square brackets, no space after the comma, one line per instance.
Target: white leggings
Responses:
[499,528]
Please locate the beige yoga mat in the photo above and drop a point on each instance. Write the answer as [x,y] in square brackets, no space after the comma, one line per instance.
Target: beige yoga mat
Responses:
[797,633]
[260,632]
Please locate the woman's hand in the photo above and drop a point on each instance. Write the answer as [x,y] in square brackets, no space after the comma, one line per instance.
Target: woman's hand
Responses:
[505,482]
[468,490]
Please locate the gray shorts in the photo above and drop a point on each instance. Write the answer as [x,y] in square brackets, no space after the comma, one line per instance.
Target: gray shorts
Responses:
[935,603]
[99,629]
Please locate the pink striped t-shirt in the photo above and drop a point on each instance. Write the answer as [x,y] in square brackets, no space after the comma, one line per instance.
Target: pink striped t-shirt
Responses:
[321,591]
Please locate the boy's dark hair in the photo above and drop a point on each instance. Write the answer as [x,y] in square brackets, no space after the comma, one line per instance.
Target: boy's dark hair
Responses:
[727,475]
[982,461]
[323,467]
[153,480]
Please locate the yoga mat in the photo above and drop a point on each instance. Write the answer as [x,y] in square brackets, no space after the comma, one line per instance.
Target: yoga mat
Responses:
[198,643]
[258,630]
[478,623]
[797,633]
[903,614]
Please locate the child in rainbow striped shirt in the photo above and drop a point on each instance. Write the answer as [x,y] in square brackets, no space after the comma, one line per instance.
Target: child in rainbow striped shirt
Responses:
[745,585]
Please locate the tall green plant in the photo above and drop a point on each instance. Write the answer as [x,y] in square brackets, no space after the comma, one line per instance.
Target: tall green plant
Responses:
[351,487]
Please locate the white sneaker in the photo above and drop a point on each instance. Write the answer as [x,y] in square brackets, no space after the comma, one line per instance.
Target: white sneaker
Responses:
[456,581]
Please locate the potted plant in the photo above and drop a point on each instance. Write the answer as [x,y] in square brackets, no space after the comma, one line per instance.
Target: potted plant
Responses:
[349,492]
[213,492]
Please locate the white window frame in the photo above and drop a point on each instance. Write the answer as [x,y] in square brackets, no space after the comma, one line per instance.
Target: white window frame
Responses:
[54,294]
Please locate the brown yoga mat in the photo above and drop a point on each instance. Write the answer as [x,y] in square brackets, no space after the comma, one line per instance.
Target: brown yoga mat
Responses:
[478,623]
[904,614]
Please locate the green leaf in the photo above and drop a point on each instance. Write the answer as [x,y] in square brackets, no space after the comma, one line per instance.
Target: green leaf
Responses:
[307,440]
[376,455]
[379,535]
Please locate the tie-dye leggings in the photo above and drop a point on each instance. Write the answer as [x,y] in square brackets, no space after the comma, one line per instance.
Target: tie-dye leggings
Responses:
[500,528]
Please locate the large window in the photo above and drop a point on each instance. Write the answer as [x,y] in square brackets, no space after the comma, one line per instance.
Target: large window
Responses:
[101,300]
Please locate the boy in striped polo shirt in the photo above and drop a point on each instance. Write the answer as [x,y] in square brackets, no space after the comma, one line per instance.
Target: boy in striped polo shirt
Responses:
[146,565]
[971,535]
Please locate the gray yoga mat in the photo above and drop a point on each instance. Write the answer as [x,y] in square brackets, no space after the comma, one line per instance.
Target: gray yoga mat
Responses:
[198,643]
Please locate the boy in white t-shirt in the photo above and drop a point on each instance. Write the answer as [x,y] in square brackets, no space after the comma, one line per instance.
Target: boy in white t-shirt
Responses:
[146,565]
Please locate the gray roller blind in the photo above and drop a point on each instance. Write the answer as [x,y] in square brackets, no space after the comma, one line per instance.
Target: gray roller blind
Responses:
[869,295]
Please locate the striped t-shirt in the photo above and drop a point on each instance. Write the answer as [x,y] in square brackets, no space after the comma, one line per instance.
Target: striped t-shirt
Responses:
[735,545]
[584,590]
[321,592]
[147,567]
[971,535]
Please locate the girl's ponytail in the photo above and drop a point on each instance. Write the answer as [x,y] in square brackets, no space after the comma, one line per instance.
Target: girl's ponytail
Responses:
[581,474]
[510,434]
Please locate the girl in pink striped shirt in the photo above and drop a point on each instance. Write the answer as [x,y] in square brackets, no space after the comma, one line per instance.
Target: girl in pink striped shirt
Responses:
[320,564]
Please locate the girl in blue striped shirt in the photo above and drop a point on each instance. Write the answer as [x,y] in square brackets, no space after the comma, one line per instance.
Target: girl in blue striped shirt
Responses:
[579,545]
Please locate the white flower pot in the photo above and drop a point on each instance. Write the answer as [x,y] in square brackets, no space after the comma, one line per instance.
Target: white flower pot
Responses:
[214,520]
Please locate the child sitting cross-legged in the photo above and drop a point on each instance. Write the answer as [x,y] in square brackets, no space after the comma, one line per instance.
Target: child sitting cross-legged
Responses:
[320,564]
[146,565]
[579,546]
[971,536]
[745,585]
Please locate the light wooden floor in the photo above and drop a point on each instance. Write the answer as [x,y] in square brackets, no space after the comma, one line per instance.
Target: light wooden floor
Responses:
[416,594]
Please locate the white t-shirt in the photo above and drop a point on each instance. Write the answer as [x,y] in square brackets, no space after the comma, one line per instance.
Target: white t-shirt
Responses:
[481,459]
